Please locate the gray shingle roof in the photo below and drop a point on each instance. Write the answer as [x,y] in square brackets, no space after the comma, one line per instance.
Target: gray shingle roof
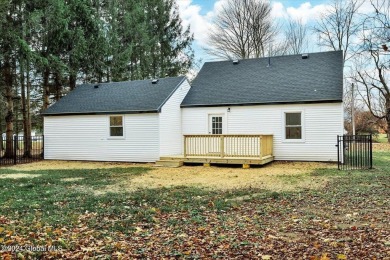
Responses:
[289,79]
[117,97]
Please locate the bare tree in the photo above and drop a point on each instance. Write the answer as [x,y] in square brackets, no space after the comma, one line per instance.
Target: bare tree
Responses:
[373,72]
[365,123]
[296,38]
[242,29]
[338,24]
[337,27]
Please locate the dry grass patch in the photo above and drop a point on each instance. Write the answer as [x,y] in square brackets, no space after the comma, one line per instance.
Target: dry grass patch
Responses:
[63,165]
[278,176]
[18,176]
[72,179]
[381,147]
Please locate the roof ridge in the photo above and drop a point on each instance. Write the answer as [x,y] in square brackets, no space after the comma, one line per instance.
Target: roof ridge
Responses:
[128,81]
[277,56]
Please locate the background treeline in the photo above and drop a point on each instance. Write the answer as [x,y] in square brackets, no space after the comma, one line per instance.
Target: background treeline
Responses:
[49,46]
[246,29]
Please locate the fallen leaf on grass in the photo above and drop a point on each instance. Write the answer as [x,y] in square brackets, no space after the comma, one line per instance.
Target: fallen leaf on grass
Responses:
[325,257]
[138,230]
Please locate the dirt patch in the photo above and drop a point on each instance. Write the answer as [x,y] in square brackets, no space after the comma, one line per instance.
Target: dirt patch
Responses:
[18,176]
[278,176]
[72,179]
[56,165]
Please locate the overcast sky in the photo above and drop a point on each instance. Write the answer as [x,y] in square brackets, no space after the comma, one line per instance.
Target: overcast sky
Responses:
[200,13]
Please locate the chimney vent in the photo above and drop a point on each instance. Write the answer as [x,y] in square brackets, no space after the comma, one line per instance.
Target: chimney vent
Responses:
[235,62]
[154,81]
[269,62]
[305,56]
[96,86]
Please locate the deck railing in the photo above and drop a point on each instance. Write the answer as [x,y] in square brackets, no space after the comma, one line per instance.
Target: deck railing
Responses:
[228,146]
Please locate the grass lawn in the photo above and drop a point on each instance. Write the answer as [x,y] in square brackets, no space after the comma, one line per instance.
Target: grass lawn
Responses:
[281,211]
[380,138]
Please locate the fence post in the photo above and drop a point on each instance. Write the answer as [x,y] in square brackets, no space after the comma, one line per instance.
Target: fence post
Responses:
[338,152]
[43,146]
[15,147]
[370,151]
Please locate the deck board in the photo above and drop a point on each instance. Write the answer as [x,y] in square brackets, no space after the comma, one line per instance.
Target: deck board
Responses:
[228,160]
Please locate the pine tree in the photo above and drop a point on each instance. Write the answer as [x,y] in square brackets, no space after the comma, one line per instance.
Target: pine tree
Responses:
[171,51]
[49,46]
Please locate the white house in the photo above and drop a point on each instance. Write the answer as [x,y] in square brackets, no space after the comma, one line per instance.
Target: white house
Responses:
[248,111]
[296,98]
[135,121]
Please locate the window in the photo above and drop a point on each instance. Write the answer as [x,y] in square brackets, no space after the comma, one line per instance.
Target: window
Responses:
[116,125]
[216,125]
[293,125]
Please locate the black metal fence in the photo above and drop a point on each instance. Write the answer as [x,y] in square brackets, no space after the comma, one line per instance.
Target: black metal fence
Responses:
[21,149]
[354,152]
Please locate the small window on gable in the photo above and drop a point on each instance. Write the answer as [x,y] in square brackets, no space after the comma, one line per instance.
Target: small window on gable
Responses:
[116,126]
[294,125]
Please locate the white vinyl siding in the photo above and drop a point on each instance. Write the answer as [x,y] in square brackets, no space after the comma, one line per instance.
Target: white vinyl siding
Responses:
[146,136]
[171,137]
[86,137]
[322,124]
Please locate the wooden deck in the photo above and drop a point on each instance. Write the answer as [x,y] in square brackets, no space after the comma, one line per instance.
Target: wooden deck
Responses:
[223,149]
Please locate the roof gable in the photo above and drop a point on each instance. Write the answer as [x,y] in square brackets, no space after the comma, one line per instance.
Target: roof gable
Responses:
[288,79]
[139,96]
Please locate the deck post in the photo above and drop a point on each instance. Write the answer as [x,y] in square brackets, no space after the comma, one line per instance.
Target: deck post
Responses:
[185,146]
[260,146]
[222,146]
[246,166]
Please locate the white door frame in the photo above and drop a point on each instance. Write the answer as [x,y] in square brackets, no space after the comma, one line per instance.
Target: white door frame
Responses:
[209,120]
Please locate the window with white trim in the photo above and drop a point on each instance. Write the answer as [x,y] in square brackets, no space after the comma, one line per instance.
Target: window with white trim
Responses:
[293,125]
[116,126]
[216,127]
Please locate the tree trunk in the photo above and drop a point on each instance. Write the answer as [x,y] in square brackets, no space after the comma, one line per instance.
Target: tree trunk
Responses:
[388,129]
[1,133]
[28,119]
[25,91]
[23,104]
[58,87]
[388,117]
[46,89]
[9,118]
[72,81]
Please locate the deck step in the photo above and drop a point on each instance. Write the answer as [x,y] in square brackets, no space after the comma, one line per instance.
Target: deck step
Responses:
[170,158]
[169,163]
